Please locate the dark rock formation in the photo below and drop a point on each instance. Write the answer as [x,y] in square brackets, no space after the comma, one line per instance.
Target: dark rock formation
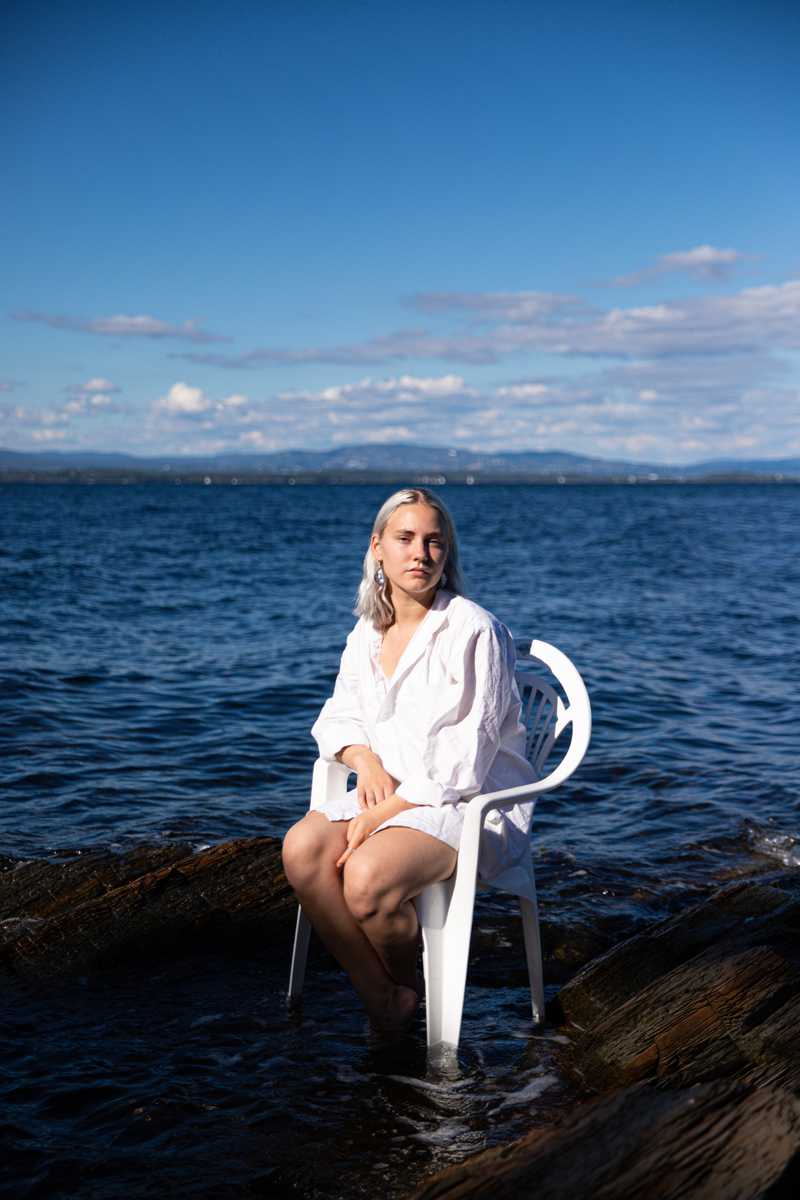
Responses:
[59,920]
[38,888]
[691,1028]
[713,993]
[710,1142]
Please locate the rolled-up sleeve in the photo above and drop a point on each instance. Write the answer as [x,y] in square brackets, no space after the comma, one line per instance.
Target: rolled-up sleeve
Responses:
[341,721]
[465,735]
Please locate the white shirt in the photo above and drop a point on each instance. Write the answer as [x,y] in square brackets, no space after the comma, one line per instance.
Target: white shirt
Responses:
[446,724]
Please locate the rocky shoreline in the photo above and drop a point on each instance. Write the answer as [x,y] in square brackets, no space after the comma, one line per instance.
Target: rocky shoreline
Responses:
[688,1035]
[684,1039]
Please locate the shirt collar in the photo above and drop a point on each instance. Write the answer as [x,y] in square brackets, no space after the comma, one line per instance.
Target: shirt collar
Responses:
[430,623]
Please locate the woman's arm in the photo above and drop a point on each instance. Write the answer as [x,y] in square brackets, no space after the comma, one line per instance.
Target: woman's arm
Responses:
[373,784]
[341,721]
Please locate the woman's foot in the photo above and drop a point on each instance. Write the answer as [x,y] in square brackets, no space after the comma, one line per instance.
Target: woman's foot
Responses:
[395,1010]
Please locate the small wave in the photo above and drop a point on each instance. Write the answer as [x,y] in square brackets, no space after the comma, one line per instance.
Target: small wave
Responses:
[524,1095]
[783,847]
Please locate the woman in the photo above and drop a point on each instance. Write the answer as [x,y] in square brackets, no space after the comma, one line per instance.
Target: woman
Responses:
[425,711]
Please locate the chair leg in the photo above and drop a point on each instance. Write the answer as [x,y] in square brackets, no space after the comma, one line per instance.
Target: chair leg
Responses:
[533,953]
[446,933]
[302,934]
[431,906]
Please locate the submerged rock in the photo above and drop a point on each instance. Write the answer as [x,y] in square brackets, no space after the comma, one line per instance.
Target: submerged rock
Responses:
[709,1142]
[59,920]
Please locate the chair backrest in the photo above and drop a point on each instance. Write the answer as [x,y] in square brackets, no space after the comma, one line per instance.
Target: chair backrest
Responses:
[546,716]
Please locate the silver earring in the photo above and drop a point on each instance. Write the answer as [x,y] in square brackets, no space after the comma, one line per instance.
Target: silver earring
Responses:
[380,578]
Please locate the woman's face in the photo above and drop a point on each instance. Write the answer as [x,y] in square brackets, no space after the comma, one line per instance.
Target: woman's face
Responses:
[412,550]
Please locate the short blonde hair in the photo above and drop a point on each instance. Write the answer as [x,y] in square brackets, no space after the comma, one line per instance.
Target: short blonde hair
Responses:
[372,601]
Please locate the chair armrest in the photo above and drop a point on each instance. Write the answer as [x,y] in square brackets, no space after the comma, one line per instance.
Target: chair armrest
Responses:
[469,848]
[328,782]
[479,806]
[475,815]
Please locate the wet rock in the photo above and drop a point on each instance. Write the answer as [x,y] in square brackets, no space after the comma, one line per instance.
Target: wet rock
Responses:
[709,1142]
[713,993]
[39,888]
[61,920]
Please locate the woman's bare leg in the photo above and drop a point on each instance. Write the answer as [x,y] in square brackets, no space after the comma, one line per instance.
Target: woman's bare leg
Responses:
[380,880]
[310,851]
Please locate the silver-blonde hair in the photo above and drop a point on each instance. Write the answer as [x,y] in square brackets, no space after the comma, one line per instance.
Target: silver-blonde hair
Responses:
[372,601]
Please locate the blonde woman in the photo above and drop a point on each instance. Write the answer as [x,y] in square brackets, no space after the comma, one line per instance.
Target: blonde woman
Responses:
[426,713]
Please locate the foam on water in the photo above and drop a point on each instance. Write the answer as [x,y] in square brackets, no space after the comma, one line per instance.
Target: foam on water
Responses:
[783,847]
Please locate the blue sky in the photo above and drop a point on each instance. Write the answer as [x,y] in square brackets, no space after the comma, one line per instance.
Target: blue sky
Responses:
[483,224]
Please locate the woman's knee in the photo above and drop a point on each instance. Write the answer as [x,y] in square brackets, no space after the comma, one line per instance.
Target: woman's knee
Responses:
[302,849]
[364,890]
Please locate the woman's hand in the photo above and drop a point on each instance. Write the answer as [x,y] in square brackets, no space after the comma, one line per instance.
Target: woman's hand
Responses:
[373,783]
[360,827]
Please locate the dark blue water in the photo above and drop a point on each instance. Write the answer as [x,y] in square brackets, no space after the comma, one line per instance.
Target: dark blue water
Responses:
[164,652]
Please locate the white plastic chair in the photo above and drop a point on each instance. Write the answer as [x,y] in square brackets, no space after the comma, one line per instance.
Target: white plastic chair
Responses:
[445,909]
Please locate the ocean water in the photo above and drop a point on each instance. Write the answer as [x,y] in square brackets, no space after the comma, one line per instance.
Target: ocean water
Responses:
[164,652]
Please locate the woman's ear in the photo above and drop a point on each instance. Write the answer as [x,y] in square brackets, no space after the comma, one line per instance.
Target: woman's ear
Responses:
[374,543]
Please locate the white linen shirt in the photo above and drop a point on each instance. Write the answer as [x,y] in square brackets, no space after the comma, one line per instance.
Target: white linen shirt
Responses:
[446,724]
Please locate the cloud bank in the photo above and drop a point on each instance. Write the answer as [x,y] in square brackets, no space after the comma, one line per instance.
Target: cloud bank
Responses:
[123,326]
[671,380]
[756,319]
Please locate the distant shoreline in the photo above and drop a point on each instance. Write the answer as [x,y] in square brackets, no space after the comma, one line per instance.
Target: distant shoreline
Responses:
[116,477]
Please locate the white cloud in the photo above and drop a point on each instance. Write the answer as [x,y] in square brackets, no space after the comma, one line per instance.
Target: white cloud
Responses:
[89,397]
[48,435]
[704,259]
[39,416]
[384,435]
[701,262]
[523,391]
[86,404]
[485,416]
[508,306]
[401,345]
[405,389]
[122,325]
[256,439]
[184,400]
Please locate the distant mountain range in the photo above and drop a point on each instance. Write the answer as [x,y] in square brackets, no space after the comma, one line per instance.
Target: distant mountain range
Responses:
[401,461]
